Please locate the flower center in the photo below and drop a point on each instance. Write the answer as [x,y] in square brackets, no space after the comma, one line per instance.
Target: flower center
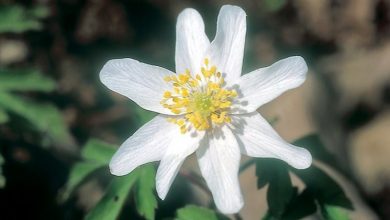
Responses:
[201,98]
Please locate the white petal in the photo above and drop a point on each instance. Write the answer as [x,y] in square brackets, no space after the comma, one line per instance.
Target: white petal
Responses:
[227,49]
[265,84]
[142,83]
[219,162]
[191,41]
[146,145]
[182,146]
[258,139]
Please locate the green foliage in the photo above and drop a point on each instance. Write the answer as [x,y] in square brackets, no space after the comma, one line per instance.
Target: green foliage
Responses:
[323,188]
[97,154]
[300,205]
[110,205]
[2,178]
[334,213]
[25,80]
[43,117]
[98,151]
[280,190]
[192,212]
[17,19]
[284,200]
[79,173]
[146,201]
[274,5]
[3,116]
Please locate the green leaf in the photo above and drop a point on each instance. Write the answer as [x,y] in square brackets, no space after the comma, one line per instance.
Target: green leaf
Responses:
[313,143]
[98,151]
[280,189]
[145,198]
[300,206]
[44,117]
[109,207]
[192,212]
[323,188]
[25,80]
[79,172]
[17,19]
[3,116]
[2,178]
[96,154]
[334,213]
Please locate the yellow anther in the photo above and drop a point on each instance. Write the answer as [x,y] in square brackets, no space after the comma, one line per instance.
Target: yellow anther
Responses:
[183,78]
[213,69]
[184,92]
[176,111]
[183,129]
[180,122]
[206,61]
[167,94]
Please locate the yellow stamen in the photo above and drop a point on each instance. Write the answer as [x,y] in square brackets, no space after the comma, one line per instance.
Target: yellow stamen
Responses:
[202,99]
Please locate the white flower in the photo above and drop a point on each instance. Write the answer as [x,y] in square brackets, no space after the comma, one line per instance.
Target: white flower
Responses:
[208,107]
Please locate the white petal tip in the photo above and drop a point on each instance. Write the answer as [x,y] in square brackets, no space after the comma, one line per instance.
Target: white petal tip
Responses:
[233,8]
[189,16]
[188,11]
[304,160]
[299,64]
[232,208]
[162,194]
[117,169]
[106,73]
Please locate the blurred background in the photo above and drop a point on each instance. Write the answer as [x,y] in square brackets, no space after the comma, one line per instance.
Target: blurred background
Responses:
[52,102]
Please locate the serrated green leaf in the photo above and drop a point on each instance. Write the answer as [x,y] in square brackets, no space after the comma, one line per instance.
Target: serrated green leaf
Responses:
[192,212]
[109,207]
[3,116]
[17,19]
[25,80]
[44,117]
[78,173]
[334,213]
[145,197]
[323,188]
[280,190]
[2,178]
[98,151]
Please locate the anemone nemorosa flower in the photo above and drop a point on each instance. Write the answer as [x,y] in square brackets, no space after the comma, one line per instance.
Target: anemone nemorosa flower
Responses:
[206,107]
